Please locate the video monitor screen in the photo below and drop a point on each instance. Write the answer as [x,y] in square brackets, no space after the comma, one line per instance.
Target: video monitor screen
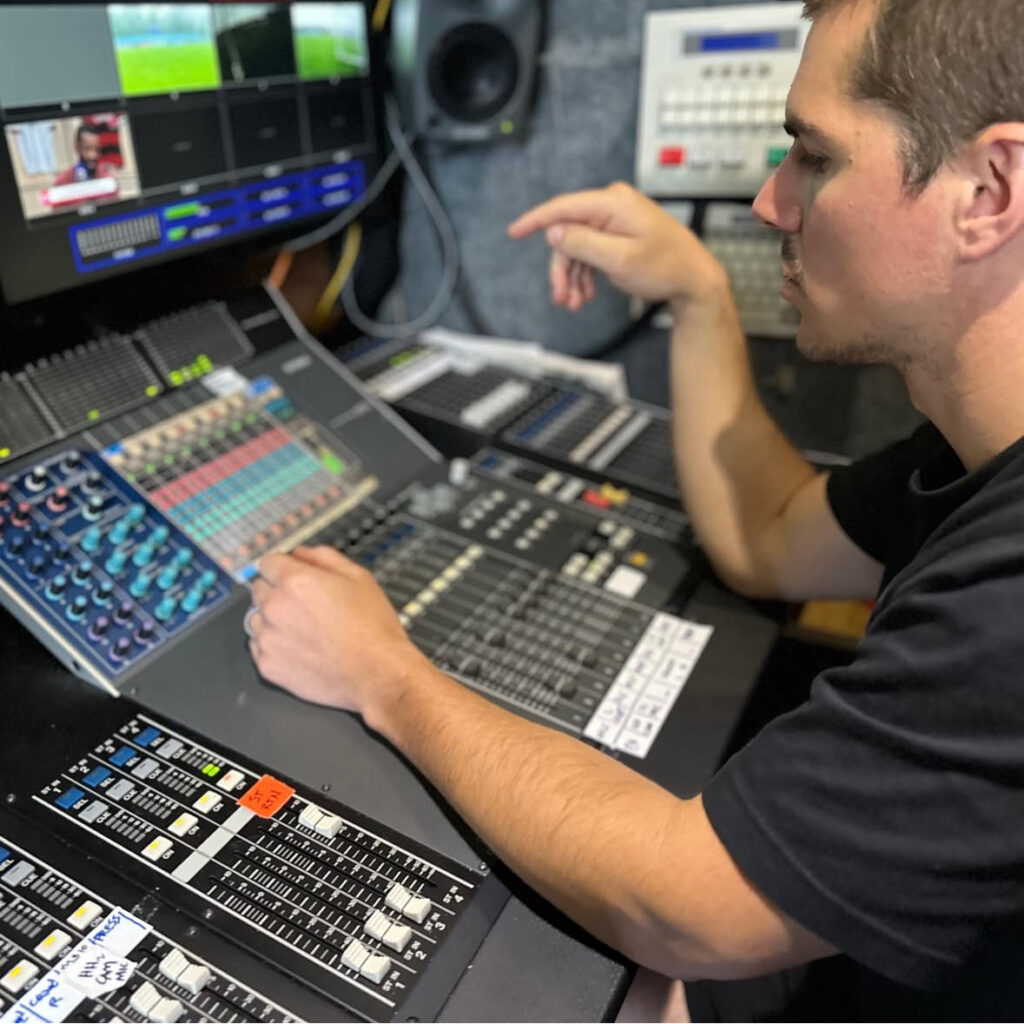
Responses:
[140,132]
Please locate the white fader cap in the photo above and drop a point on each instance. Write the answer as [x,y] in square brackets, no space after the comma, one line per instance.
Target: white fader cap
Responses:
[458,472]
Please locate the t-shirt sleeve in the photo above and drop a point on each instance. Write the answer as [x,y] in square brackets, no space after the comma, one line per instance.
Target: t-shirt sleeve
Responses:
[870,497]
[887,813]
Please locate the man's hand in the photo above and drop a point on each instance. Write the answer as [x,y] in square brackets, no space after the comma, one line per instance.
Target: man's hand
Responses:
[643,250]
[325,631]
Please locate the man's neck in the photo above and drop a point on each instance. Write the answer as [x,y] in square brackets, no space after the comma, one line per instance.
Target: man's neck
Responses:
[973,392]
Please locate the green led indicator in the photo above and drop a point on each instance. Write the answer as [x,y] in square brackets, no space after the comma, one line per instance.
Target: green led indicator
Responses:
[150,468]
[177,234]
[333,464]
[182,210]
[211,770]
[168,460]
[176,377]
[507,127]
[94,414]
[153,390]
[5,453]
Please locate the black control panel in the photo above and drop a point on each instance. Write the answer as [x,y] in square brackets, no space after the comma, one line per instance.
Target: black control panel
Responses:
[380,927]
[462,407]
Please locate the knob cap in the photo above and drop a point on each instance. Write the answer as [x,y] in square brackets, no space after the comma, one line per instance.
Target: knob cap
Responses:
[94,507]
[21,514]
[92,480]
[77,608]
[71,461]
[58,501]
[36,562]
[56,586]
[100,627]
[145,631]
[92,539]
[82,571]
[124,611]
[5,492]
[122,646]
[103,593]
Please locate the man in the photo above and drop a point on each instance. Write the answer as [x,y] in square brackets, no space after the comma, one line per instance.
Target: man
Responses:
[89,166]
[884,817]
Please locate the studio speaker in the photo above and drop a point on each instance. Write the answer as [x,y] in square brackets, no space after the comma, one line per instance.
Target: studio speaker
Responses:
[466,69]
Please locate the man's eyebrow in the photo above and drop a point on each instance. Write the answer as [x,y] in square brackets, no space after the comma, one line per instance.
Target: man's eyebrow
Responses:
[796,127]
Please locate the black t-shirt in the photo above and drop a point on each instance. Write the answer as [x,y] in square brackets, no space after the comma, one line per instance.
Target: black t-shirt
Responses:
[887,813]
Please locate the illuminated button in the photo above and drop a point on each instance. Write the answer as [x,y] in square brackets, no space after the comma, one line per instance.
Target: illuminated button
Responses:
[182,824]
[136,514]
[92,538]
[207,580]
[19,976]
[439,585]
[672,156]
[623,538]
[192,601]
[329,825]
[451,574]
[183,558]
[166,608]
[412,609]
[140,585]
[168,577]
[195,978]
[85,916]
[207,802]
[157,848]
[232,777]
[475,552]
[159,537]
[53,945]
[120,531]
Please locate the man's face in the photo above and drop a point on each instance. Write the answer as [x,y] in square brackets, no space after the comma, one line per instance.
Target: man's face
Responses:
[89,150]
[865,261]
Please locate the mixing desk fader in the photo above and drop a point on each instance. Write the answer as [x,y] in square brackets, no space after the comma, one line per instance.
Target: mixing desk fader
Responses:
[380,926]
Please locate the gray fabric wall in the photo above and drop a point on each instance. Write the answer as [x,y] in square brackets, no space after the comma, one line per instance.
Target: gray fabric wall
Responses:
[582,135]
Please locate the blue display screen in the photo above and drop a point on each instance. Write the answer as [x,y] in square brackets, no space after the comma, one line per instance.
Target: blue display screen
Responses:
[739,41]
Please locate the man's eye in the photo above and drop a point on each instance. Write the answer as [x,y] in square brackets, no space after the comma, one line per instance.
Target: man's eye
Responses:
[811,161]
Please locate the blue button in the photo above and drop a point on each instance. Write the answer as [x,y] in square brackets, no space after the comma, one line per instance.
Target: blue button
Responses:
[96,776]
[4,854]
[70,798]
[146,737]
[122,757]
[192,600]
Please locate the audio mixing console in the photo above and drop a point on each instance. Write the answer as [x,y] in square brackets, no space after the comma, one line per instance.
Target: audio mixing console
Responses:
[107,577]
[378,925]
[463,407]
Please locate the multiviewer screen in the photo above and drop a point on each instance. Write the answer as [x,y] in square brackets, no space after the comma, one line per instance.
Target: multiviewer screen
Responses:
[137,132]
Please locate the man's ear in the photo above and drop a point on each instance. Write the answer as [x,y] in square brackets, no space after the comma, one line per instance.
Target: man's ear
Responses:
[990,209]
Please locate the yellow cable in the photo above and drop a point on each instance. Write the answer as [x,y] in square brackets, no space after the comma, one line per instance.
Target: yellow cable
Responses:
[349,254]
[380,15]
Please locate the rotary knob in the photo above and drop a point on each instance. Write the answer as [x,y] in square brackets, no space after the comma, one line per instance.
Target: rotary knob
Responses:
[58,501]
[36,479]
[20,515]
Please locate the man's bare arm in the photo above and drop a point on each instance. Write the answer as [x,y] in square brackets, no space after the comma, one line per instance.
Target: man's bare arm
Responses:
[639,868]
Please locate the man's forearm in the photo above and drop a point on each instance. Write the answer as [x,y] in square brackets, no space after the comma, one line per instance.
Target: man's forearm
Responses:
[577,826]
[736,469]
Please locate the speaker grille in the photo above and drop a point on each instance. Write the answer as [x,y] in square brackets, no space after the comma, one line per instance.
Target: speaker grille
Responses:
[473,71]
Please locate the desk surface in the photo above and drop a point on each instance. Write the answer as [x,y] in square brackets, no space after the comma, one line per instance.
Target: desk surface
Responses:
[533,965]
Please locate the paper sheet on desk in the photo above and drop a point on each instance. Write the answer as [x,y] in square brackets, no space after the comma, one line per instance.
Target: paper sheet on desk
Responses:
[531,360]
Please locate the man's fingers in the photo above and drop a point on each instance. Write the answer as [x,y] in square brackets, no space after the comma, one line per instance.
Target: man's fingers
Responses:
[596,248]
[324,557]
[592,206]
[261,591]
[276,567]
[559,276]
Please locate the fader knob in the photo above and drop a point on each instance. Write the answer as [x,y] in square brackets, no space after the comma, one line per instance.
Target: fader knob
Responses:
[92,539]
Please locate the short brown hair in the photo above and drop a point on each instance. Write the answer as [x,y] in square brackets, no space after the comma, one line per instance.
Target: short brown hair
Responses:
[947,69]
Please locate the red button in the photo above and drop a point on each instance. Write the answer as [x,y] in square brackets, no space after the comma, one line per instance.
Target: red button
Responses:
[595,499]
[672,156]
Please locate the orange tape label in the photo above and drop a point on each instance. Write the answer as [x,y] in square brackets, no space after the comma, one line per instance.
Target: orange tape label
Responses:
[266,797]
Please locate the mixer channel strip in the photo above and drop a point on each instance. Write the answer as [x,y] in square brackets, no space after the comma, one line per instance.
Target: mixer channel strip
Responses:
[243,475]
[544,644]
[340,903]
[58,939]
[104,580]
